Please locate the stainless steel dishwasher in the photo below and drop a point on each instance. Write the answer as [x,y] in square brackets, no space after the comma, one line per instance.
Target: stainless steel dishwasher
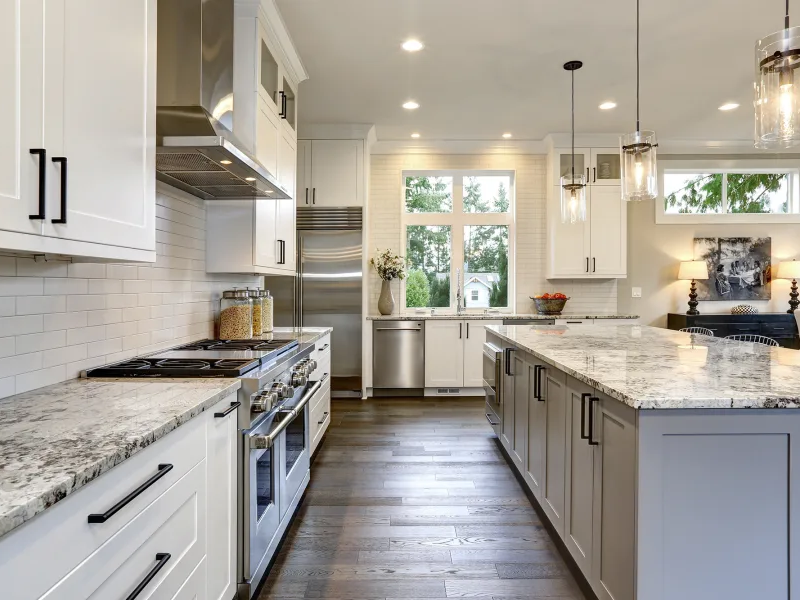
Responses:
[398,355]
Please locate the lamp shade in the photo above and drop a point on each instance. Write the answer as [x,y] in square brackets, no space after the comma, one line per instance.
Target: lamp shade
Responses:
[693,269]
[789,269]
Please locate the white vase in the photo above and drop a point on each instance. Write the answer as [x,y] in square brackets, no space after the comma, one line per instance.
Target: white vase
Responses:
[386,301]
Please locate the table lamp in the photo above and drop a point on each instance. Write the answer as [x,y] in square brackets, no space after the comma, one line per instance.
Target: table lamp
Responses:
[790,269]
[692,270]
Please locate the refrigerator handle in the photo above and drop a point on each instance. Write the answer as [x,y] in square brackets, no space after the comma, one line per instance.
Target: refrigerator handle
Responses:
[299,295]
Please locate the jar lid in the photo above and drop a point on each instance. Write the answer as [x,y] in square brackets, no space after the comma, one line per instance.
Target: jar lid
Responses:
[255,293]
[266,294]
[235,294]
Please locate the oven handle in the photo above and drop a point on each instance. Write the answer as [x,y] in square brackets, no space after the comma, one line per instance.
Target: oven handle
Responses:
[264,442]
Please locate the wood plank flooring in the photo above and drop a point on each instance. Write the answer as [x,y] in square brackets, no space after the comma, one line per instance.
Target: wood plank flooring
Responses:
[410,498]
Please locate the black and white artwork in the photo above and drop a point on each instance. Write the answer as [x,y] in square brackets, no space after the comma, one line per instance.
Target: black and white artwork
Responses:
[738,268]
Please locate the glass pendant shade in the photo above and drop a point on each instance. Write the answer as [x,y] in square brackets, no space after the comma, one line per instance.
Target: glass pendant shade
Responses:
[638,169]
[777,90]
[573,198]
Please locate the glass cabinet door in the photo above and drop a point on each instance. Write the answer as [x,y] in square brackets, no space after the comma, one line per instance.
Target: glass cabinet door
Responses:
[268,74]
[564,166]
[289,109]
[605,167]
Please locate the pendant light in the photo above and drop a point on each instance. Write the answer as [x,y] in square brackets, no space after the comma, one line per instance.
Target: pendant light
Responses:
[573,187]
[638,151]
[777,101]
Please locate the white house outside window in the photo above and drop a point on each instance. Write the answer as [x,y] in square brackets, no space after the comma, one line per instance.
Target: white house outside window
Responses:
[458,220]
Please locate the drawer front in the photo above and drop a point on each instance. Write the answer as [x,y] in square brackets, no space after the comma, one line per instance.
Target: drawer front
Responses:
[323,366]
[173,525]
[63,533]
[321,346]
[321,419]
[778,329]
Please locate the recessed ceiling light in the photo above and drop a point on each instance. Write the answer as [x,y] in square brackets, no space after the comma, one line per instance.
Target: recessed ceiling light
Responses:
[414,135]
[249,178]
[507,135]
[410,105]
[608,105]
[225,162]
[729,106]
[412,45]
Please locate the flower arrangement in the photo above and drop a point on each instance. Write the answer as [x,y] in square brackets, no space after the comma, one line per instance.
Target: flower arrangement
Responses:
[389,265]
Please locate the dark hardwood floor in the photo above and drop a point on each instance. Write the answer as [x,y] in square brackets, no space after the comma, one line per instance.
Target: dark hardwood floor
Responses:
[410,498]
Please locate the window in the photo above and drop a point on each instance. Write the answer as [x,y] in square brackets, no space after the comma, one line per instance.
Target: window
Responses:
[458,220]
[728,191]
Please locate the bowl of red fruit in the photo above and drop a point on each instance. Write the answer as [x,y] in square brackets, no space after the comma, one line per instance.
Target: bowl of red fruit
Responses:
[550,304]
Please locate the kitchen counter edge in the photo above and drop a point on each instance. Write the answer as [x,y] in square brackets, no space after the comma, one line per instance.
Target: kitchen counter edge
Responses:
[496,317]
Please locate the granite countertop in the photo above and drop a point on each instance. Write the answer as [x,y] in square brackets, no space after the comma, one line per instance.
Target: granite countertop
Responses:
[651,368]
[304,335]
[56,439]
[495,317]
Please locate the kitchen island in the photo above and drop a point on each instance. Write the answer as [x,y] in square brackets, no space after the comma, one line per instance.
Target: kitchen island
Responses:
[666,463]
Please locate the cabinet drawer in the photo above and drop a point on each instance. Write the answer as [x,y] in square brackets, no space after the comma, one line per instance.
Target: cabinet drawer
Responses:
[322,347]
[62,538]
[320,418]
[166,539]
[774,330]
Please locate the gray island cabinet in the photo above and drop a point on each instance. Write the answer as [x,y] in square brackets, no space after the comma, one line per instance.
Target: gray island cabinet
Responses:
[667,463]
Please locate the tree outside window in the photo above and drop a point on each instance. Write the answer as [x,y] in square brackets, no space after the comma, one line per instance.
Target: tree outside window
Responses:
[719,193]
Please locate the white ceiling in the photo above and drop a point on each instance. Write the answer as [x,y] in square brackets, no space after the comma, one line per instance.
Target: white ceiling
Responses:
[491,66]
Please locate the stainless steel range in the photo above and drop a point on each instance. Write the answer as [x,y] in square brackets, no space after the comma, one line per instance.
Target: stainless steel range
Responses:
[274,449]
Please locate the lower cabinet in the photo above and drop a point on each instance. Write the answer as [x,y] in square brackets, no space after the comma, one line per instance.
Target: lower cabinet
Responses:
[177,537]
[454,352]
[520,371]
[508,389]
[321,402]
[552,385]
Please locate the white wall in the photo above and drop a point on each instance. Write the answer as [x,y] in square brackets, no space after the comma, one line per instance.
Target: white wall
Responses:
[386,195]
[57,317]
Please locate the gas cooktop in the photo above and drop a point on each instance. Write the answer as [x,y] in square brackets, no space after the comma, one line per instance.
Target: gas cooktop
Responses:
[256,345]
[176,367]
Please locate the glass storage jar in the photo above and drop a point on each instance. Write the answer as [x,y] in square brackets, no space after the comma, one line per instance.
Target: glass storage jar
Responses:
[257,296]
[269,312]
[235,315]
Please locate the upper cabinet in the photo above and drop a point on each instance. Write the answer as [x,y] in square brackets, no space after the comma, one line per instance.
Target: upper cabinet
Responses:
[77,175]
[596,248]
[330,173]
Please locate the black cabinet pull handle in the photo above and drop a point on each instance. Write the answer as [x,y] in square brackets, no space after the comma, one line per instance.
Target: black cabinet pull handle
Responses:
[587,264]
[540,398]
[536,381]
[592,441]
[63,161]
[467,329]
[280,101]
[325,347]
[460,327]
[587,174]
[492,423]
[324,416]
[42,182]
[594,265]
[306,195]
[162,558]
[584,435]
[508,352]
[594,174]
[313,195]
[227,411]
[285,111]
[163,469]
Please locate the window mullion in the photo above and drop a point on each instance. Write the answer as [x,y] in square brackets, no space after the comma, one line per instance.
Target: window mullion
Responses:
[724,193]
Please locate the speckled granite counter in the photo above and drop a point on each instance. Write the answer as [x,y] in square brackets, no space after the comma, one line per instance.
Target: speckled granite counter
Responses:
[55,440]
[650,368]
[305,335]
[495,317]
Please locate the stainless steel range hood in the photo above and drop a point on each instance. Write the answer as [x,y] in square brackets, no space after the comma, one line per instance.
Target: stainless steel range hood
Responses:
[196,149]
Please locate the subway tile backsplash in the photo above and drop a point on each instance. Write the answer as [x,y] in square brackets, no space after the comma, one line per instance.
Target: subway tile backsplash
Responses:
[59,317]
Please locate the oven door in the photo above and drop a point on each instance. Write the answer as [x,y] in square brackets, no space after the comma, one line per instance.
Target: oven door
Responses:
[492,381]
[296,456]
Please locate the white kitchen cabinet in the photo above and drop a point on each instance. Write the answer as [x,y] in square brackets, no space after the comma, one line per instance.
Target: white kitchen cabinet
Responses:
[475,337]
[221,448]
[605,167]
[552,388]
[99,162]
[579,478]
[573,322]
[287,163]
[333,173]
[267,136]
[562,163]
[250,236]
[321,402]
[608,231]
[303,176]
[444,353]
[613,426]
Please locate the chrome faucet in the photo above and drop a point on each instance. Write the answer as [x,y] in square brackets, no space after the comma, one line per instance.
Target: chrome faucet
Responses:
[459,296]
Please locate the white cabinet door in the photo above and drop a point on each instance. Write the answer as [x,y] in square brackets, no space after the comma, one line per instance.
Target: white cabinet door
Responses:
[568,243]
[22,48]
[579,478]
[267,128]
[337,172]
[268,72]
[285,234]
[614,498]
[303,195]
[536,433]
[100,114]
[563,164]
[609,227]
[444,353]
[266,251]
[473,351]
[287,163]
[221,438]
[552,387]
[605,167]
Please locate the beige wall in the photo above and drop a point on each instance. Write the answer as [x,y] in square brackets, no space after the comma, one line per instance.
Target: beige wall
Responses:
[386,194]
[654,252]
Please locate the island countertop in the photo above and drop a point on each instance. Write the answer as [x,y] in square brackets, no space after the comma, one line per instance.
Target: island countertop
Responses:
[650,368]
[496,317]
[54,440]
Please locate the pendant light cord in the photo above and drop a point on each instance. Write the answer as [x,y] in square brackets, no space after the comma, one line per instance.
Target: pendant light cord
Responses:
[637,64]
[573,126]
[786,20]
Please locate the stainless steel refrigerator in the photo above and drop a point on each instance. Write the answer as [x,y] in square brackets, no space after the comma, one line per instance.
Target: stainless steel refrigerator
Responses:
[326,290]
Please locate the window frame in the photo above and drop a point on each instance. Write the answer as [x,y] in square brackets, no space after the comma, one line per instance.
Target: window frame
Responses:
[688,167]
[457,220]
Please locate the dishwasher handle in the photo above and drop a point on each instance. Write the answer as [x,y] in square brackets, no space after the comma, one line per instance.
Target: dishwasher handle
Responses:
[397,329]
